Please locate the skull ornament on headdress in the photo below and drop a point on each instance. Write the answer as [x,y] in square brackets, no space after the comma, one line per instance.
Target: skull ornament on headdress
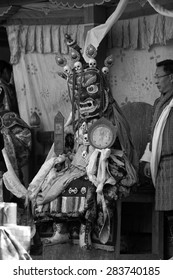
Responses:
[92,63]
[78,66]
[67,70]
[87,83]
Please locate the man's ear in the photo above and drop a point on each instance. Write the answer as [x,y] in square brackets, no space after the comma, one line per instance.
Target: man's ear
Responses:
[171,78]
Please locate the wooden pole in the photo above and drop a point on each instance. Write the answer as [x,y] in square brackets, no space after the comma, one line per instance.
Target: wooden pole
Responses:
[59,134]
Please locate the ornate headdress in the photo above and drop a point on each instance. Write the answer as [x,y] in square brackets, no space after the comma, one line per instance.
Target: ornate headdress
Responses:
[88,85]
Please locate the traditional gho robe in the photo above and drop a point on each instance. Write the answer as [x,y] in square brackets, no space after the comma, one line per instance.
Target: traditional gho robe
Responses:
[163,179]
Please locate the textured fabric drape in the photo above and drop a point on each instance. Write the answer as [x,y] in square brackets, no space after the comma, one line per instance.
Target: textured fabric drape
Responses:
[127,39]
[40,89]
[41,39]
[141,32]
[77,3]
[160,9]
[131,76]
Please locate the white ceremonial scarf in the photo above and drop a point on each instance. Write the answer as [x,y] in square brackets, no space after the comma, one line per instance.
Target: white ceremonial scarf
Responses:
[157,140]
[96,34]
[160,9]
[11,180]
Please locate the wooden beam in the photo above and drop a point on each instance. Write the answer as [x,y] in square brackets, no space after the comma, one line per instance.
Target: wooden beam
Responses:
[65,17]
[6,3]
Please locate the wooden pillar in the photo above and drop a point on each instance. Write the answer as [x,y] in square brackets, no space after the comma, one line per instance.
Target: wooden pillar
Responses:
[1,186]
[93,16]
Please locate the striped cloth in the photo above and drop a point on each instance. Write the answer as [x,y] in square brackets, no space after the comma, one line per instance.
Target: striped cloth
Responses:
[164,181]
[157,140]
[164,185]
[164,178]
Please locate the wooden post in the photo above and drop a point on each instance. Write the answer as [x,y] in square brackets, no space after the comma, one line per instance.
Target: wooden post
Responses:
[35,124]
[1,186]
[59,134]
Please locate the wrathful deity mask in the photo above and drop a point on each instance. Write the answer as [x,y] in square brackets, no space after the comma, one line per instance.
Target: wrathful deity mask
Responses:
[87,84]
[90,93]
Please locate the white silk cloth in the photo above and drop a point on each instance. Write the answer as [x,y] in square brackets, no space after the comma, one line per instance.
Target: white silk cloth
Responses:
[96,34]
[161,10]
[157,140]
[11,180]
[99,176]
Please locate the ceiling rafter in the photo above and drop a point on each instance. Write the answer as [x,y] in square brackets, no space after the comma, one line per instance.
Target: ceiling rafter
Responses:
[5,3]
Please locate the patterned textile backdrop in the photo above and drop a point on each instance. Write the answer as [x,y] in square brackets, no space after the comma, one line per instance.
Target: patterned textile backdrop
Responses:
[40,89]
[131,76]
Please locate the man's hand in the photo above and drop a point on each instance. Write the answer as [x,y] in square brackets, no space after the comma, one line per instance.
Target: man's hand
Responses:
[147,170]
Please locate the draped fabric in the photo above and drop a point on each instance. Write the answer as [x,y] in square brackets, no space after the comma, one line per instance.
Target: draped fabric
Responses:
[141,32]
[40,89]
[43,39]
[33,54]
[131,42]
[136,33]
[77,3]
[160,9]
[96,34]
[131,76]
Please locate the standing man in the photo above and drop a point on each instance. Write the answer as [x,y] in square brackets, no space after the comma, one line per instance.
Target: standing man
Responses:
[159,152]
[15,134]
[7,88]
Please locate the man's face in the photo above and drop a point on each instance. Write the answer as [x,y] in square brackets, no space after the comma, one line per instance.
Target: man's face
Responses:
[163,80]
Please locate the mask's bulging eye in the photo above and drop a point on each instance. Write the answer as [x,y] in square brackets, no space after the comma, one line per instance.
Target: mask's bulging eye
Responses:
[92,89]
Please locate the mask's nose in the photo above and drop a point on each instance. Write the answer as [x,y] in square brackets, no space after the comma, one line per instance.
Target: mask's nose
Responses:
[84,95]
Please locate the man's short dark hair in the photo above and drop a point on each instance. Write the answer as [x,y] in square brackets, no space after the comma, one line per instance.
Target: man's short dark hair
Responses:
[5,65]
[167,65]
